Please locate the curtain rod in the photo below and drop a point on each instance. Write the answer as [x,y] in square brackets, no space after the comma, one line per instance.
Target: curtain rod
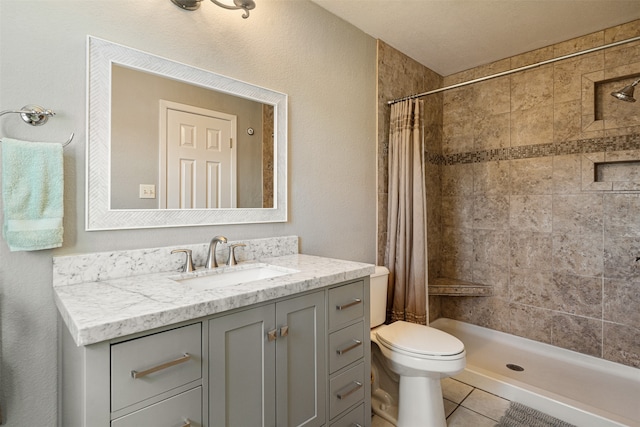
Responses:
[515,70]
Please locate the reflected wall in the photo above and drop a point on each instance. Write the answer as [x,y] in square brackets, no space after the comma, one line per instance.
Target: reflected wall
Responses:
[135,139]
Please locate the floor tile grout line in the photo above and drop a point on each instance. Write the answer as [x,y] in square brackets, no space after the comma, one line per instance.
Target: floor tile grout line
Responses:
[468,394]
[473,410]
[492,394]
[454,410]
[479,413]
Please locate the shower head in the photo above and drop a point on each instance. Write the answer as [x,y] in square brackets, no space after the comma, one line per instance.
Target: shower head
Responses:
[626,94]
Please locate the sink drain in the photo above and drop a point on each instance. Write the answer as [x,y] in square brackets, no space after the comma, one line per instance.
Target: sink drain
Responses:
[514,367]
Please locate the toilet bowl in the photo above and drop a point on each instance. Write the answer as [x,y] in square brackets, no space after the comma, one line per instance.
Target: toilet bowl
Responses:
[419,355]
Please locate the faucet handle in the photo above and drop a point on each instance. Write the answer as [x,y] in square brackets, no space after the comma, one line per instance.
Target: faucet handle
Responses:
[232,256]
[187,267]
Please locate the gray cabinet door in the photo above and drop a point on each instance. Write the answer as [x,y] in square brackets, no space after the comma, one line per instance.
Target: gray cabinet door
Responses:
[300,361]
[255,381]
[241,369]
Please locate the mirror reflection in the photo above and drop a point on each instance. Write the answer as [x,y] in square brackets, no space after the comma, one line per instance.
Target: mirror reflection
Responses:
[176,145]
[156,131]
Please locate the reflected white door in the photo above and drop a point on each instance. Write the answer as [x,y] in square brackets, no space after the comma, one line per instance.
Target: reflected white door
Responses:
[200,158]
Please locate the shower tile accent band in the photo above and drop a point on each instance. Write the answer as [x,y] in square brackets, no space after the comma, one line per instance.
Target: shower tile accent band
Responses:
[591,145]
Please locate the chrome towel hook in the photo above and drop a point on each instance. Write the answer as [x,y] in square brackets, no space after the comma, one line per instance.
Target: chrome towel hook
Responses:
[36,115]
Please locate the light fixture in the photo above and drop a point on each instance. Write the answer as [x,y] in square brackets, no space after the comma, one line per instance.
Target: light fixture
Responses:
[245,5]
[626,94]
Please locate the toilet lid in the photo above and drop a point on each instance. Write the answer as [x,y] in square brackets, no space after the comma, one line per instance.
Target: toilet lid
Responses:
[419,339]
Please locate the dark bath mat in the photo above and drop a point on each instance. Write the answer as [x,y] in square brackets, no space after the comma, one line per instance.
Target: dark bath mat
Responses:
[519,415]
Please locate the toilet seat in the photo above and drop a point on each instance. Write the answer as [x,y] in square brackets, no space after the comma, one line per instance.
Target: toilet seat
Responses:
[419,340]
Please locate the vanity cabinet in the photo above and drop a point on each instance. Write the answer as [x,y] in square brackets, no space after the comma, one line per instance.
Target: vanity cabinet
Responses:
[349,354]
[152,379]
[149,366]
[183,410]
[293,361]
[269,365]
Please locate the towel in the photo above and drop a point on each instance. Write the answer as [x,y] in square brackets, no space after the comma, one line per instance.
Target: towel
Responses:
[32,194]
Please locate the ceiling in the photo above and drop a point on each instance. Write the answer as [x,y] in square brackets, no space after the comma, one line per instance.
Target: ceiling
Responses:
[449,36]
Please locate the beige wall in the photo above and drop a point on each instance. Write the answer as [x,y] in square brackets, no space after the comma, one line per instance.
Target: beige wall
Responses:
[517,207]
[135,134]
[285,46]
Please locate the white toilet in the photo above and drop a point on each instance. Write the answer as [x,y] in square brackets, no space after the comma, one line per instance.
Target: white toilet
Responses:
[419,355]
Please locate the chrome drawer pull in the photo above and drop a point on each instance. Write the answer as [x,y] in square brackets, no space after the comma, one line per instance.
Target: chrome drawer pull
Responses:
[356,344]
[187,423]
[184,358]
[356,425]
[356,301]
[353,390]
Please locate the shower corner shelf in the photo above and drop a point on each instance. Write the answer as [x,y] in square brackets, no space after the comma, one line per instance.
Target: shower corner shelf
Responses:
[459,288]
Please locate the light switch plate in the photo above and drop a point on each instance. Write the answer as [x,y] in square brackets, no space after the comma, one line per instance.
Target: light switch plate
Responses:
[147,191]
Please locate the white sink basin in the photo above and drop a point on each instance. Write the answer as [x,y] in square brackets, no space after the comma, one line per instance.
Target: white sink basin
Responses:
[235,276]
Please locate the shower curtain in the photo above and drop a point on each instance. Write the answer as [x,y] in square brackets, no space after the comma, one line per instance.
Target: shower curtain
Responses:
[406,250]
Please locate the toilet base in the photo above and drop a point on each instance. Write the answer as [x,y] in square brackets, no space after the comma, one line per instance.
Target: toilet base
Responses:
[420,402]
[384,407]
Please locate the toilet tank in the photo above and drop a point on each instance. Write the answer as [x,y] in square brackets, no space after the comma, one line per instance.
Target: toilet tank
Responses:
[378,298]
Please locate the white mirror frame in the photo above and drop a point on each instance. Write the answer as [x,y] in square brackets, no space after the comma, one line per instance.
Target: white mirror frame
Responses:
[101,54]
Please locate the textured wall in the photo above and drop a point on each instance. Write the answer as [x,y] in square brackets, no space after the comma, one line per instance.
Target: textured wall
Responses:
[512,200]
[398,76]
[327,68]
[519,212]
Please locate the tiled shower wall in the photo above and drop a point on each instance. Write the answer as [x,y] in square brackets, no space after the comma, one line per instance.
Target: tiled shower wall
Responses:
[520,206]
[398,76]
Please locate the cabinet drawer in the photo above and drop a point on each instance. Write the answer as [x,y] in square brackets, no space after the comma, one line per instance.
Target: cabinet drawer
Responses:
[354,418]
[346,303]
[347,389]
[346,346]
[182,410]
[160,361]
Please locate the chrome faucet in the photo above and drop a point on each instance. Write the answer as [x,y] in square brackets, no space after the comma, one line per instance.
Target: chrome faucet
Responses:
[211,258]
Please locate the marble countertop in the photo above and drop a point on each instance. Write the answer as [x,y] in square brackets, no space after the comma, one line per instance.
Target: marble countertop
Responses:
[103,310]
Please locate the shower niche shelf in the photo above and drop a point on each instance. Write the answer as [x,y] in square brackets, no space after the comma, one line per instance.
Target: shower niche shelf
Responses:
[616,171]
[459,288]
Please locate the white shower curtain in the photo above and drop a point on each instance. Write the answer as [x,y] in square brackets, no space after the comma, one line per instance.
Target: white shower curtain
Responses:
[406,250]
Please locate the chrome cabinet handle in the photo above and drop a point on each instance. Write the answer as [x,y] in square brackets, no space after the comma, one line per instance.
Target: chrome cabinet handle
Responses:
[272,335]
[356,344]
[355,301]
[284,331]
[187,423]
[356,425]
[358,386]
[185,357]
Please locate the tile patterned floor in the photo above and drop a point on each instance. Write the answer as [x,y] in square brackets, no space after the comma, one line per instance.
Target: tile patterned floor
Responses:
[465,406]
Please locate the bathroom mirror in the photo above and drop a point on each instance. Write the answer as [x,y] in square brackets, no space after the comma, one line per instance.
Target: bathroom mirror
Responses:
[132,99]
